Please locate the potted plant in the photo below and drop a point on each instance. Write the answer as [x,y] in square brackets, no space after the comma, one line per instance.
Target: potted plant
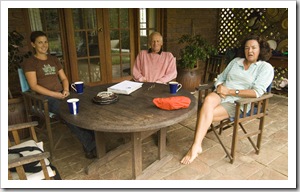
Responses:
[16,108]
[15,58]
[192,57]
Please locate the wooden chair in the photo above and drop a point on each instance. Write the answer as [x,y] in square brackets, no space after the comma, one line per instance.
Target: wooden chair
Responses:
[19,165]
[258,111]
[214,66]
[37,107]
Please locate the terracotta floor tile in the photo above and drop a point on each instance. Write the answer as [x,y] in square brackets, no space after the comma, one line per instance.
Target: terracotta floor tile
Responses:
[212,164]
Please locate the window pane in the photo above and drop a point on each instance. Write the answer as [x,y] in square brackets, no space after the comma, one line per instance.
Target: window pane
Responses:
[125,39]
[120,42]
[84,18]
[124,18]
[125,65]
[93,43]
[51,16]
[113,18]
[148,24]
[143,40]
[55,45]
[80,42]
[115,66]
[83,70]
[76,19]
[95,70]
[90,18]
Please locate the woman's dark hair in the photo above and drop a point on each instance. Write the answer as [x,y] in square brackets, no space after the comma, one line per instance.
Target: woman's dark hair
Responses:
[265,50]
[36,34]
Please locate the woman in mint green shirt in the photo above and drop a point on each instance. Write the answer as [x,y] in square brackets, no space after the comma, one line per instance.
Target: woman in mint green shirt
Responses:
[246,76]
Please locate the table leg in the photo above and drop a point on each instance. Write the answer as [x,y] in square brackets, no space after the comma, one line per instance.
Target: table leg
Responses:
[163,157]
[136,141]
[100,144]
[162,138]
[104,157]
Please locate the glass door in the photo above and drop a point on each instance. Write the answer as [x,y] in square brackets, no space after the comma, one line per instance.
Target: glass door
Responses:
[102,42]
[119,30]
[96,46]
[89,45]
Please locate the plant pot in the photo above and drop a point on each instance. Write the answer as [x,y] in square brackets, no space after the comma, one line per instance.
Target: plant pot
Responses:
[17,114]
[190,78]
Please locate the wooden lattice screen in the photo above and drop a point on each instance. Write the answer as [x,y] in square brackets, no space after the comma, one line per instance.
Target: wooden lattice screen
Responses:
[235,23]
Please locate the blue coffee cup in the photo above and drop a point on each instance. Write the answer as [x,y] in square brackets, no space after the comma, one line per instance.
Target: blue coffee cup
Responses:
[73,104]
[77,86]
[174,87]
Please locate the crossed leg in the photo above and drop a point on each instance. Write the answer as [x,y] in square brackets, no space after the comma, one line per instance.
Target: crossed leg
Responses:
[211,110]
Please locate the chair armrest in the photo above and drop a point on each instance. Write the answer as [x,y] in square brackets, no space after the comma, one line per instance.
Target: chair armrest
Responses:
[35,96]
[206,86]
[22,125]
[27,159]
[250,100]
[35,101]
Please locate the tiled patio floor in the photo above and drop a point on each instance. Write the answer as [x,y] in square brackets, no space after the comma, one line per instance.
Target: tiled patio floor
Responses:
[212,164]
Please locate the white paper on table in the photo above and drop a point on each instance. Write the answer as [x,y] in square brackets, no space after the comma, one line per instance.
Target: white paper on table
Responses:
[125,87]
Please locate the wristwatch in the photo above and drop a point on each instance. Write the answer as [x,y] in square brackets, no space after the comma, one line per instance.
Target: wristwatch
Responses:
[237,92]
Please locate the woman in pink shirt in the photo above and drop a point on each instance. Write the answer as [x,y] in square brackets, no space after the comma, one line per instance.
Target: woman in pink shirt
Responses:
[155,65]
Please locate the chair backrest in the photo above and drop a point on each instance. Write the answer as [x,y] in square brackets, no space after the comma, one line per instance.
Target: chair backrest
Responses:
[36,105]
[214,66]
[23,81]
[27,159]
[268,90]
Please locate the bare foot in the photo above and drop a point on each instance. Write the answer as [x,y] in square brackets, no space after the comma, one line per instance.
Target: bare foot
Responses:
[193,152]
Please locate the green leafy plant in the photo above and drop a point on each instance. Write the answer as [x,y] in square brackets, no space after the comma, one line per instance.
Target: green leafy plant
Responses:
[15,56]
[195,48]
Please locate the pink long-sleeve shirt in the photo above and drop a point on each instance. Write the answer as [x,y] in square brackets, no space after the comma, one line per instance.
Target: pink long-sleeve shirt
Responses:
[153,67]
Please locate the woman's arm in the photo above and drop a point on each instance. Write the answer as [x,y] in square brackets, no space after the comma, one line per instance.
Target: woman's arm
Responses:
[32,81]
[225,91]
[65,82]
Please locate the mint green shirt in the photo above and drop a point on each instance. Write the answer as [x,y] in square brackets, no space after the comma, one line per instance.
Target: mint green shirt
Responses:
[258,77]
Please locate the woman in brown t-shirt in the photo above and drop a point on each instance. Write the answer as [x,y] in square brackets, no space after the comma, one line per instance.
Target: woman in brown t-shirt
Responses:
[46,76]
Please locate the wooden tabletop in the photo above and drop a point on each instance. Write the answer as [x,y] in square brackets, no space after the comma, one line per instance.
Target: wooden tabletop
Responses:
[131,113]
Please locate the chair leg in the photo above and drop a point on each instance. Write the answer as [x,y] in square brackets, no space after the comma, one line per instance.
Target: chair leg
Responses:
[234,141]
[259,136]
[249,138]
[50,137]
[223,146]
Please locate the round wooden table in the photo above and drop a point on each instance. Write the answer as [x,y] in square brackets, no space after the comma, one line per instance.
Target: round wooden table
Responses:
[135,114]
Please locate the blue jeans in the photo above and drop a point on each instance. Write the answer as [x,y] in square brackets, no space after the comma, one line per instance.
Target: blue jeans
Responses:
[85,136]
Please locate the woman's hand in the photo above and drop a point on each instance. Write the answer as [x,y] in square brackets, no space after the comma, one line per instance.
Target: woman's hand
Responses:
[222,91]
[66,93]
[59,95]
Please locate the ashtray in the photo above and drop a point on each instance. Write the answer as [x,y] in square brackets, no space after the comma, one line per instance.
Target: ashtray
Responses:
[105,97]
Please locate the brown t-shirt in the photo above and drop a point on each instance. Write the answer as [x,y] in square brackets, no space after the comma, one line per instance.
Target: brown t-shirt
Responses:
[46,71]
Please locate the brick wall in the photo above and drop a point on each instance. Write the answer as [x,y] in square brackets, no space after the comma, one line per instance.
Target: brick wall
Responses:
[201,21]
[18,21]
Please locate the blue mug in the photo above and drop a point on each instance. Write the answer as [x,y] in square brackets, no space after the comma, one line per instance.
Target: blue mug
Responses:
[174,87]
[73,104]
[77,87]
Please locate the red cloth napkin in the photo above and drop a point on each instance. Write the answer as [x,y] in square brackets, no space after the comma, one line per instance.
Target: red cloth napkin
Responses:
[172,103]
